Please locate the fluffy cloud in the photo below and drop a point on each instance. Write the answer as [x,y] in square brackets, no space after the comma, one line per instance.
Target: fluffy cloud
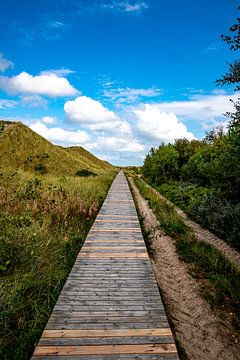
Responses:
[156,125]
[5,64]
[48,84]
[59,135]
[48,120]
[94,116]
[86,110]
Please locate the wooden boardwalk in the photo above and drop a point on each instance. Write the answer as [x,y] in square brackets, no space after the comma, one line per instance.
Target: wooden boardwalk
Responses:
[110,307]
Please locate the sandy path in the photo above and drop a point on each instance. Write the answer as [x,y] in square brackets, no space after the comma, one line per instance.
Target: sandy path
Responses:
[202,335]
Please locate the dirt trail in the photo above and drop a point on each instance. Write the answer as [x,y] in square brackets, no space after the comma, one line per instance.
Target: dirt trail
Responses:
[202,335]
[206,236]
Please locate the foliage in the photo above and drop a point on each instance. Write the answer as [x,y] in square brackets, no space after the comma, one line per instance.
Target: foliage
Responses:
[1,127]
[169,220]
[220,280]
[40,168]
[203,178]
[85,172]
[219,215]
[162,164]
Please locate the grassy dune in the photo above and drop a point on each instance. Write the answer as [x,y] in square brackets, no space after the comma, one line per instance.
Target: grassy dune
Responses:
[44,219]
[21,148]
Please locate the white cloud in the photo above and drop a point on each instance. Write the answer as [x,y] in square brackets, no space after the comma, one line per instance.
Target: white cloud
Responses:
[5,64]
[92,115]
[59,135]
[116,144]
[116,133]
[130,95]
[48,120]
[156,125]
[200,107]
[86,110]
[48,84]
[34,101]
[6,104]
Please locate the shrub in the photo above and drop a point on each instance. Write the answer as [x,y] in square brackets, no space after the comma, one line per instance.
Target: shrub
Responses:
[219,215]
[40,168]
[85,173]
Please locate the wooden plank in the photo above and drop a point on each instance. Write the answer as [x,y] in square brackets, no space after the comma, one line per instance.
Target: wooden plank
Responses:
[90,247]
[118,221]
[111,255]
[106,349]
[111,325]
[116,229]
[118,216]
[106,333]
[107,340]
[110,357]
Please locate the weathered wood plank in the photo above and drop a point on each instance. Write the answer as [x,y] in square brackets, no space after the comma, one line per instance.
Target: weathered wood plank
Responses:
[111,255]
[106,333]
[106,349]
[107,340]
[109,357]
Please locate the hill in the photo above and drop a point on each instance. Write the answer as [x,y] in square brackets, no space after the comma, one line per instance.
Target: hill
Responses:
[21,148]
[81,153]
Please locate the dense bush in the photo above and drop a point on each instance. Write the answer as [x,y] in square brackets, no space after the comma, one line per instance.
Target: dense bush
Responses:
[203,178]
[85,173]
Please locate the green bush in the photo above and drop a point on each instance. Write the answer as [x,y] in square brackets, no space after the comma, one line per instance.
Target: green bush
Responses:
[85,173]
[40,168]
[219,215]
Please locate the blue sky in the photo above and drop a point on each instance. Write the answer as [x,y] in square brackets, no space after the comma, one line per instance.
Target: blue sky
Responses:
[117,76]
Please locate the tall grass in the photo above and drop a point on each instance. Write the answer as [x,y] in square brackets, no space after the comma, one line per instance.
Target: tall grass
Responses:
[43,223]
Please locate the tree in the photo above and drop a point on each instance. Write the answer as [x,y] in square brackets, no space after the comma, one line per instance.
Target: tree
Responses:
[233,77]
[233,40]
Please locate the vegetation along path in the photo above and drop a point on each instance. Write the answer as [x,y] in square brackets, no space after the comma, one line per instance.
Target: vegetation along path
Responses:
[110,307]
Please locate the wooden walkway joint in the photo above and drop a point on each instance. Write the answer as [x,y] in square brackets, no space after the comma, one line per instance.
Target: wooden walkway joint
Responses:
[110,307]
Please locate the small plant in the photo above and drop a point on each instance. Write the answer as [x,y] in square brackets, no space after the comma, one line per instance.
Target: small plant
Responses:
[40,168]
[85,173]
[1,128]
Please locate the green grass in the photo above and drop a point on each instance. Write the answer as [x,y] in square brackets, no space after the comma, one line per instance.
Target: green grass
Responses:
[43,223]
[219,279]
[21,148]
[223,287]
[169,220]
